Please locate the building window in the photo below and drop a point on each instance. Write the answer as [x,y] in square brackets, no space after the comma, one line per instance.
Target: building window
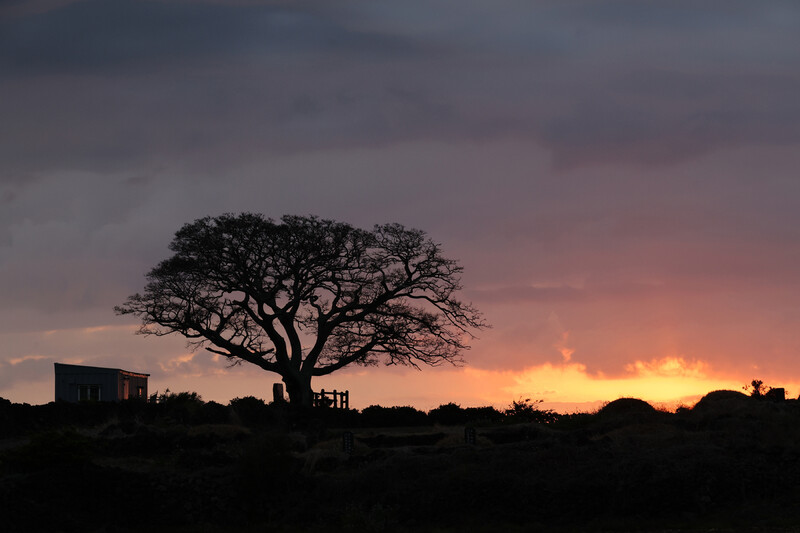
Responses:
[89,393]
[140,392]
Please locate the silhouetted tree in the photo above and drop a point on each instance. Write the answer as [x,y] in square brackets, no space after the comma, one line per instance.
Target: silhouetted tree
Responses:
[757,388]
[305,297]
[528,411]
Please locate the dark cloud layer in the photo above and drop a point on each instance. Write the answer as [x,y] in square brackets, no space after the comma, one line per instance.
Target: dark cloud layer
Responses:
[114,37]
[138,82]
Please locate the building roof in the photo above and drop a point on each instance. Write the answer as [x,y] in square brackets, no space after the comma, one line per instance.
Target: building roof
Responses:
[81,369]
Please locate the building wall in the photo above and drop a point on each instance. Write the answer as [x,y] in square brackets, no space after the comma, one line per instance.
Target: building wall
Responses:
[111,382]
[129,384]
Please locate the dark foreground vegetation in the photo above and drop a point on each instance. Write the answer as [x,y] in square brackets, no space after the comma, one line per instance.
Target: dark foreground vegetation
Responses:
[731,463]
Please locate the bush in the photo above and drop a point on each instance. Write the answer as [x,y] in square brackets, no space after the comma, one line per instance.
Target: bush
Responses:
[449,414]
[486,414]
[377,416]
[452,414]
[252,411]
[215,413]
[526,410]
[182,407]
[49,450]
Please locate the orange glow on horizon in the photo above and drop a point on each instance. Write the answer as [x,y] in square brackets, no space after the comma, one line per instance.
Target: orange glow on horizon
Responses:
[667,380]
[564,384]
[566,387]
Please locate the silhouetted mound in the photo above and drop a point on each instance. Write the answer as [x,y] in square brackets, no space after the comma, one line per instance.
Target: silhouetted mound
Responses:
[625,407]
[722,400]
[625,412]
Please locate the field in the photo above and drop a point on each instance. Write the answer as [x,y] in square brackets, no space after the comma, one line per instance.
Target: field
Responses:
[731,463]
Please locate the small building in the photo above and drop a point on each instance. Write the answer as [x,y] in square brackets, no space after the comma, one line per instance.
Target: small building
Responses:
[75,383]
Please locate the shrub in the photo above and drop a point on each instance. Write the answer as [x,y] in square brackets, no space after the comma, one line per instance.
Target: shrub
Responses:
[252,411]
[526,410]
[377,416]
[215,413]
[449,414]
[452,414]
[51,449]
[757,388]
[483,414]
[182,407]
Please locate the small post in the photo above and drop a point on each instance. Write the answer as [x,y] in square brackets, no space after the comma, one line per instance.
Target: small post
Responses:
[335,399]
[347,442]
[277,393]
[469,435]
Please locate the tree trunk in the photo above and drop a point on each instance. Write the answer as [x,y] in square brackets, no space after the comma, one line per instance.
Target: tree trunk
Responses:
[299,390]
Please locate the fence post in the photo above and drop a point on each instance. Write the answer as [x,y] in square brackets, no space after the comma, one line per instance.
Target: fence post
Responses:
[338,399]
[347,442]
[469,435]
[277,393]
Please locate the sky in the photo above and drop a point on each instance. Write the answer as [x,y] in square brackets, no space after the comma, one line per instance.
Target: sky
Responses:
[618,178]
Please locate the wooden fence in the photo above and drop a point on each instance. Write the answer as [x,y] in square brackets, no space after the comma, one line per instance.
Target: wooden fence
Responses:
[335,399]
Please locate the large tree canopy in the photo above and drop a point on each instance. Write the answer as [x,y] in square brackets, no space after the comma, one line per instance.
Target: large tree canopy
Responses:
[305,297]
